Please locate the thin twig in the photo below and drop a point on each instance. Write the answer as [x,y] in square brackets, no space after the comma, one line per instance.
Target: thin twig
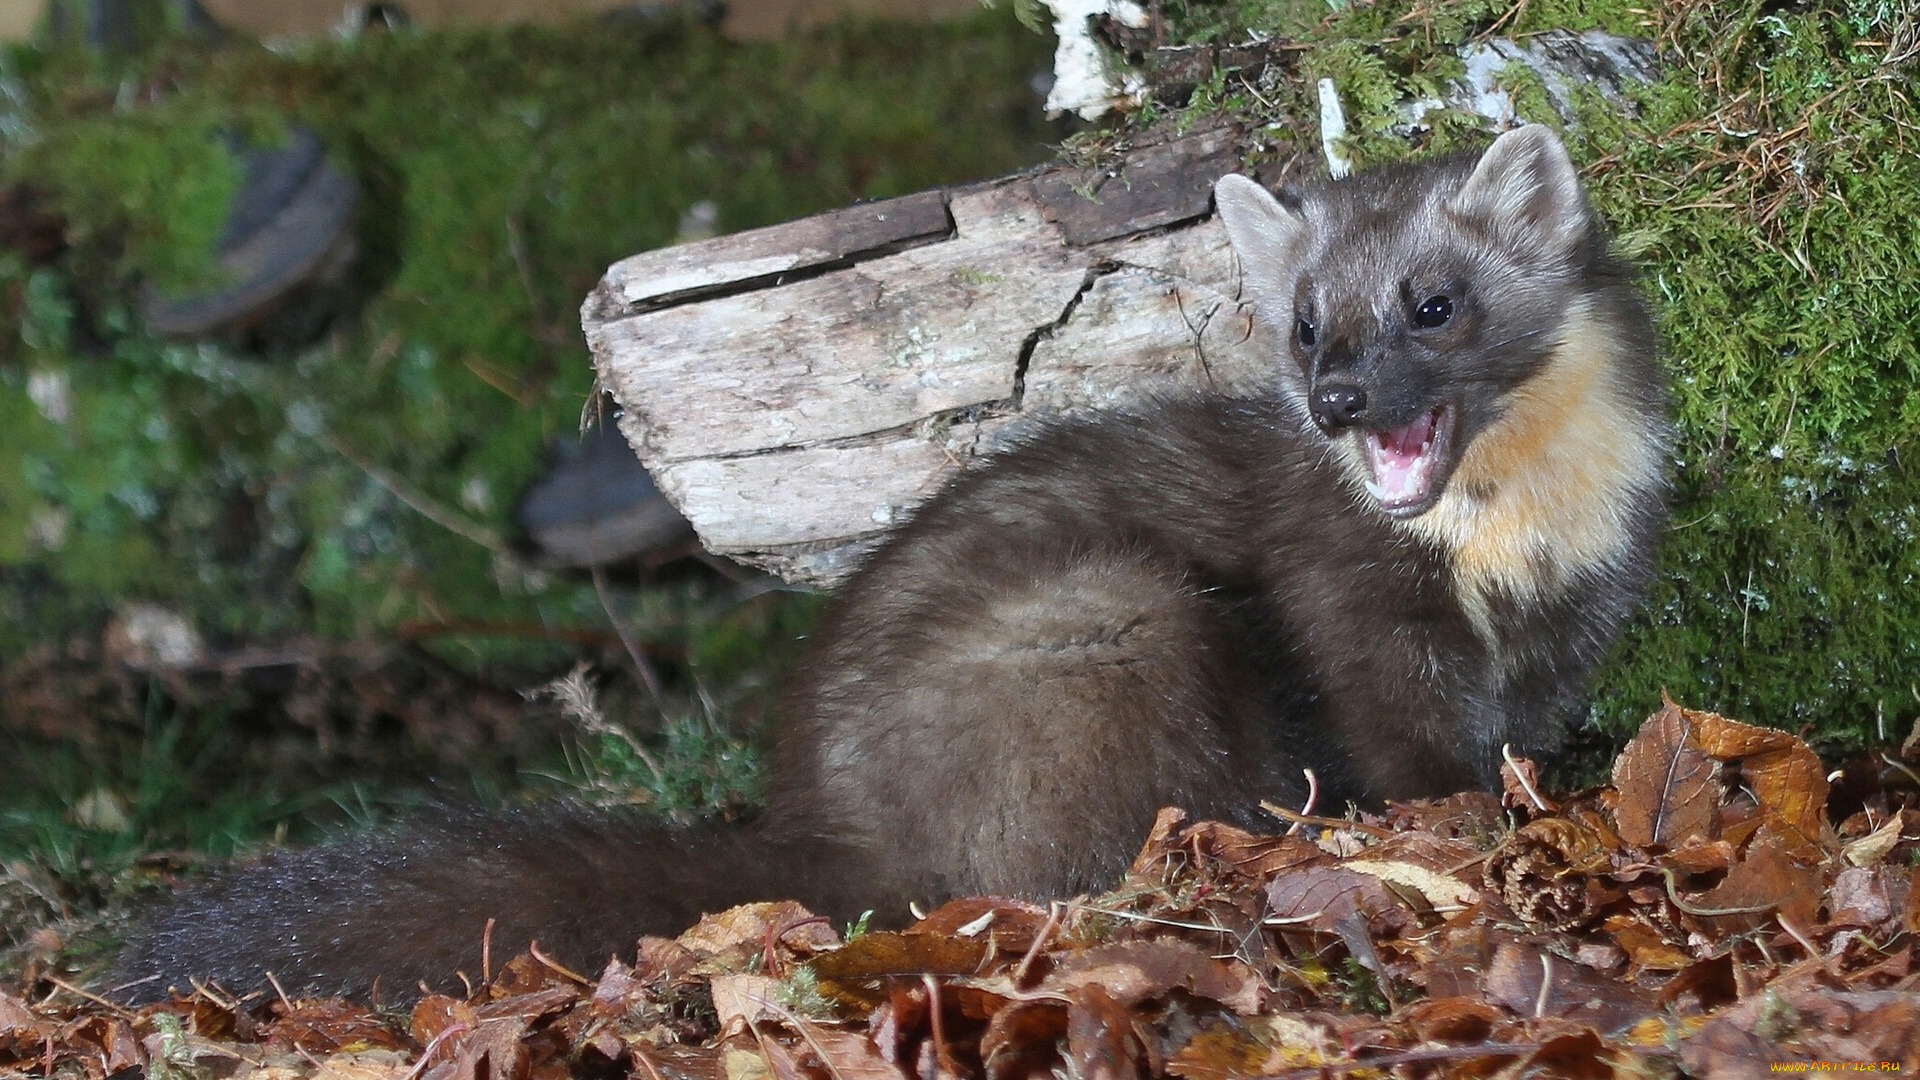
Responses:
[1794,932]
[1157,921]
[936,1021]
[653,1071]
[649,678]
[118,1009]
[1410,1057]
[1313,800]
[433,1046]
[419,502]
[1039,943]
[285,1001]
[486,952]
[1506,752]
[533,950]
[799,1025]
[1326,822]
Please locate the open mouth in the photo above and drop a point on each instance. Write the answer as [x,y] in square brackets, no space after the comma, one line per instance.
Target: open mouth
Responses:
[1405,459]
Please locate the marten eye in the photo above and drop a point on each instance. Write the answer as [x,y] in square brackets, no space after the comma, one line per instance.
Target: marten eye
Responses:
[1305,331]
[1433,311]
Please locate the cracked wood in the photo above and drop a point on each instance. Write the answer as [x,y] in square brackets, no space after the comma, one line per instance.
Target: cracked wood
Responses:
[795,422]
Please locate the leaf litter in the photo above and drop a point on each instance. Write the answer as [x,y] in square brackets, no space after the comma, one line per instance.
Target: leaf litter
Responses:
[1699,916]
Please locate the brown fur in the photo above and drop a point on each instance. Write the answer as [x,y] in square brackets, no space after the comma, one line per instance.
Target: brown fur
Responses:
[1185,604]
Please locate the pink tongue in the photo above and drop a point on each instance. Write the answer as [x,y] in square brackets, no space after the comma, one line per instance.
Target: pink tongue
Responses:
[1405,443]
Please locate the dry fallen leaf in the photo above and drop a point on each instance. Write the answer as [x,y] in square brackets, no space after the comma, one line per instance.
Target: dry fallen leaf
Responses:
[1133,971]
[1720,924]
[1667,784]
[1874,846]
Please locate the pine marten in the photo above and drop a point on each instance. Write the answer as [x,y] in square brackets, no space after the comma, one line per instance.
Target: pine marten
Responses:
[1409,552]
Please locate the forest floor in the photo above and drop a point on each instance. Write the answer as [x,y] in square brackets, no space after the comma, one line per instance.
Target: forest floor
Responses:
[1699,916]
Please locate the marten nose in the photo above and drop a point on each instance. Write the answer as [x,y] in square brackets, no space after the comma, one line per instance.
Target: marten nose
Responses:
[1337,406]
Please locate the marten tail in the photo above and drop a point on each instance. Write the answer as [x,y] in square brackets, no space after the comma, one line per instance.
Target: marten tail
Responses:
[411,907]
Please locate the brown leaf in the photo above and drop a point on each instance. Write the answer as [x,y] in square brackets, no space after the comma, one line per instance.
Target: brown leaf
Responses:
[741,1000]
[663,961]
[1668,786]
[1021,1041]
[525,975]
[1100,1038]
[1766,882]
[367,1065]
[1452,1019]
[1873,847]
[1162,850]
[109,1044]
[1912,919]
[501,1046]
[1710,982]
[436,1013]
[1437,853]
[1457,966]
[1520,786]
[850,973]
[1468,814]
[16,1017]
[533,1006]
[782,1063]
[1221,1051]
[1859,897]
[1783,773]
[1699,855]
[1725,1050]
[1572,991]
[324,1025]
[739,1064]
[1251,857]
[1806,1021]
[734,939]
[1321,896]
[1600,955]
[616,991]
[849,1055]
[1133,971]
[678,1062]
[1646,947]
[1010,924]
[1260,1046]
[1577,1055]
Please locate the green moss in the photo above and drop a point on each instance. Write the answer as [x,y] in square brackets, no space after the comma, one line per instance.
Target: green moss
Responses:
[503,171]
[254,492]
[1770,190]
[152,183]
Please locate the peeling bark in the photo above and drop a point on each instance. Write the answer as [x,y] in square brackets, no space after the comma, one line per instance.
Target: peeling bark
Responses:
[796,390]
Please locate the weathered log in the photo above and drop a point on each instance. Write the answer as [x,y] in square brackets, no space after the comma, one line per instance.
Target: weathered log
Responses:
[795,389]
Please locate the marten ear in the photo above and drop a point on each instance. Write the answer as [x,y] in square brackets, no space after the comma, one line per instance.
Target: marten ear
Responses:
[1269,237]
[1526,190]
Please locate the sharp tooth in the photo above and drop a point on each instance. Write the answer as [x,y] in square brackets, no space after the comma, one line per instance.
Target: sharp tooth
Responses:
[1379,493]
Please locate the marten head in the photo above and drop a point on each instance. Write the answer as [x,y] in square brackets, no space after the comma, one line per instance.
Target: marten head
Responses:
[1415,299]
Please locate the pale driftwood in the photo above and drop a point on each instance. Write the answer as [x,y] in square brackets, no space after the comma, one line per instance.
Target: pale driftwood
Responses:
[795,421]
[796,390]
